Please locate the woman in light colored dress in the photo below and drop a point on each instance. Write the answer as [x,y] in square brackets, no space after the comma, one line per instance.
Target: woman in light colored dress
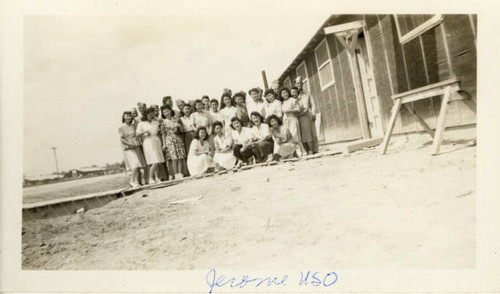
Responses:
[223,157]
[215,114]
[262,143]
[271,105]
[172,142]
[284,144]
[199,159]
[131,148]
[242,138]
[148,130]
[256,104]
[227,111]
[291,109]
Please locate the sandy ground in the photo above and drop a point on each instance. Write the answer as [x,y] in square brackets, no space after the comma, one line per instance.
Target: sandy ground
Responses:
[406,209]
[75,188]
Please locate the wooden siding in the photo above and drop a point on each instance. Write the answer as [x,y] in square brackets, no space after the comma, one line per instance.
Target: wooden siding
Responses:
[447,50]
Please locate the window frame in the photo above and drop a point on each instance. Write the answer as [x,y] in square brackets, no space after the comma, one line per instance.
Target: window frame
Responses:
[306,78]
[328,61]
[435,20]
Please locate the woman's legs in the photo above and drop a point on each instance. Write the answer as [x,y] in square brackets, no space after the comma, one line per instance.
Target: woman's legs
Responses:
[153,172]
[133,176]
[175,169]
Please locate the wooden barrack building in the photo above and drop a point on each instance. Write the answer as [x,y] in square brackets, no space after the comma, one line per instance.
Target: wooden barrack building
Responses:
[355,64]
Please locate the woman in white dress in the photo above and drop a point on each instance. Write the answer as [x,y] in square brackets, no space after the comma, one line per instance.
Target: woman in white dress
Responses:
[227,111]
[223,157]
[272,105]
[242,138]
[284,144]
[131,148]
[291,109]
[148,130]
[199,158]
[256,104]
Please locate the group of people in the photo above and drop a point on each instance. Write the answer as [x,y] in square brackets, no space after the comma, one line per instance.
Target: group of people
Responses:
[207,135]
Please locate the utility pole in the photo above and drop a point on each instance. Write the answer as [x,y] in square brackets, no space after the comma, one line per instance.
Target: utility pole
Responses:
[55,157]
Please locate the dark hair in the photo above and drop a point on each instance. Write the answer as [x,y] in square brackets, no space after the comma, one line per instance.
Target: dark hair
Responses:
[235,119]
[239,94]
[256,113]
[217,123]
[129,113]
[205,96]
[214,100]
[222,104]
[197,101]
[294,88]
[274,116]
[269,91]
[150,109]
[165,99]
[163,107]
[253,90]
[197,133]
[287,90]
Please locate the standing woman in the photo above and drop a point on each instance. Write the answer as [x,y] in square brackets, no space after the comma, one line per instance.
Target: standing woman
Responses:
[272,105]
[206,102]
[305,121]
[130,148]
[199,158]
[241,109]
[291,110]
[256,103]
[242,137]
[201,118]
[284,144]
[148,130]
[187,126]
[227,111]
[223,157]
[172,142]
[214,111]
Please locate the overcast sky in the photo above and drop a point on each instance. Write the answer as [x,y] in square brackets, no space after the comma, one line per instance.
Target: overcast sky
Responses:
[82,72]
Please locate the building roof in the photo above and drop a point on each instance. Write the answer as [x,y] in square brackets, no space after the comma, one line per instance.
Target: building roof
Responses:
[308,47]
[89,169]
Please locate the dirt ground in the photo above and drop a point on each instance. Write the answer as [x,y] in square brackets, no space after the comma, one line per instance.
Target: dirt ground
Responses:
[406,209]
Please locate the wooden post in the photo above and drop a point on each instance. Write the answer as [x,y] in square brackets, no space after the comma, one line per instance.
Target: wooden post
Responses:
[392,121]
[441,121]
[265,80]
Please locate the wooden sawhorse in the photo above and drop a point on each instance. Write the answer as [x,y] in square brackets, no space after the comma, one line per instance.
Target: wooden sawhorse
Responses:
[447,89]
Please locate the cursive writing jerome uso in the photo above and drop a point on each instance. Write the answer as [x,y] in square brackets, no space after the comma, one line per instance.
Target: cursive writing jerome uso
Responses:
[306,278]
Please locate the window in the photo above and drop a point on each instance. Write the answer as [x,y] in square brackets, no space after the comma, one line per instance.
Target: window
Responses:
[410,26]
[287,83]
[324,63]
[302,72]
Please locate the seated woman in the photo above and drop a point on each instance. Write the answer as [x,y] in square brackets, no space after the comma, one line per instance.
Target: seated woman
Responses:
[223,157]
[262,143]
[284,145]
[199,158]
[242,138]
[131,148]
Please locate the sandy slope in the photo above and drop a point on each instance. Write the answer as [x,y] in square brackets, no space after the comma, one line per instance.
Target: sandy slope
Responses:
[406,209]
